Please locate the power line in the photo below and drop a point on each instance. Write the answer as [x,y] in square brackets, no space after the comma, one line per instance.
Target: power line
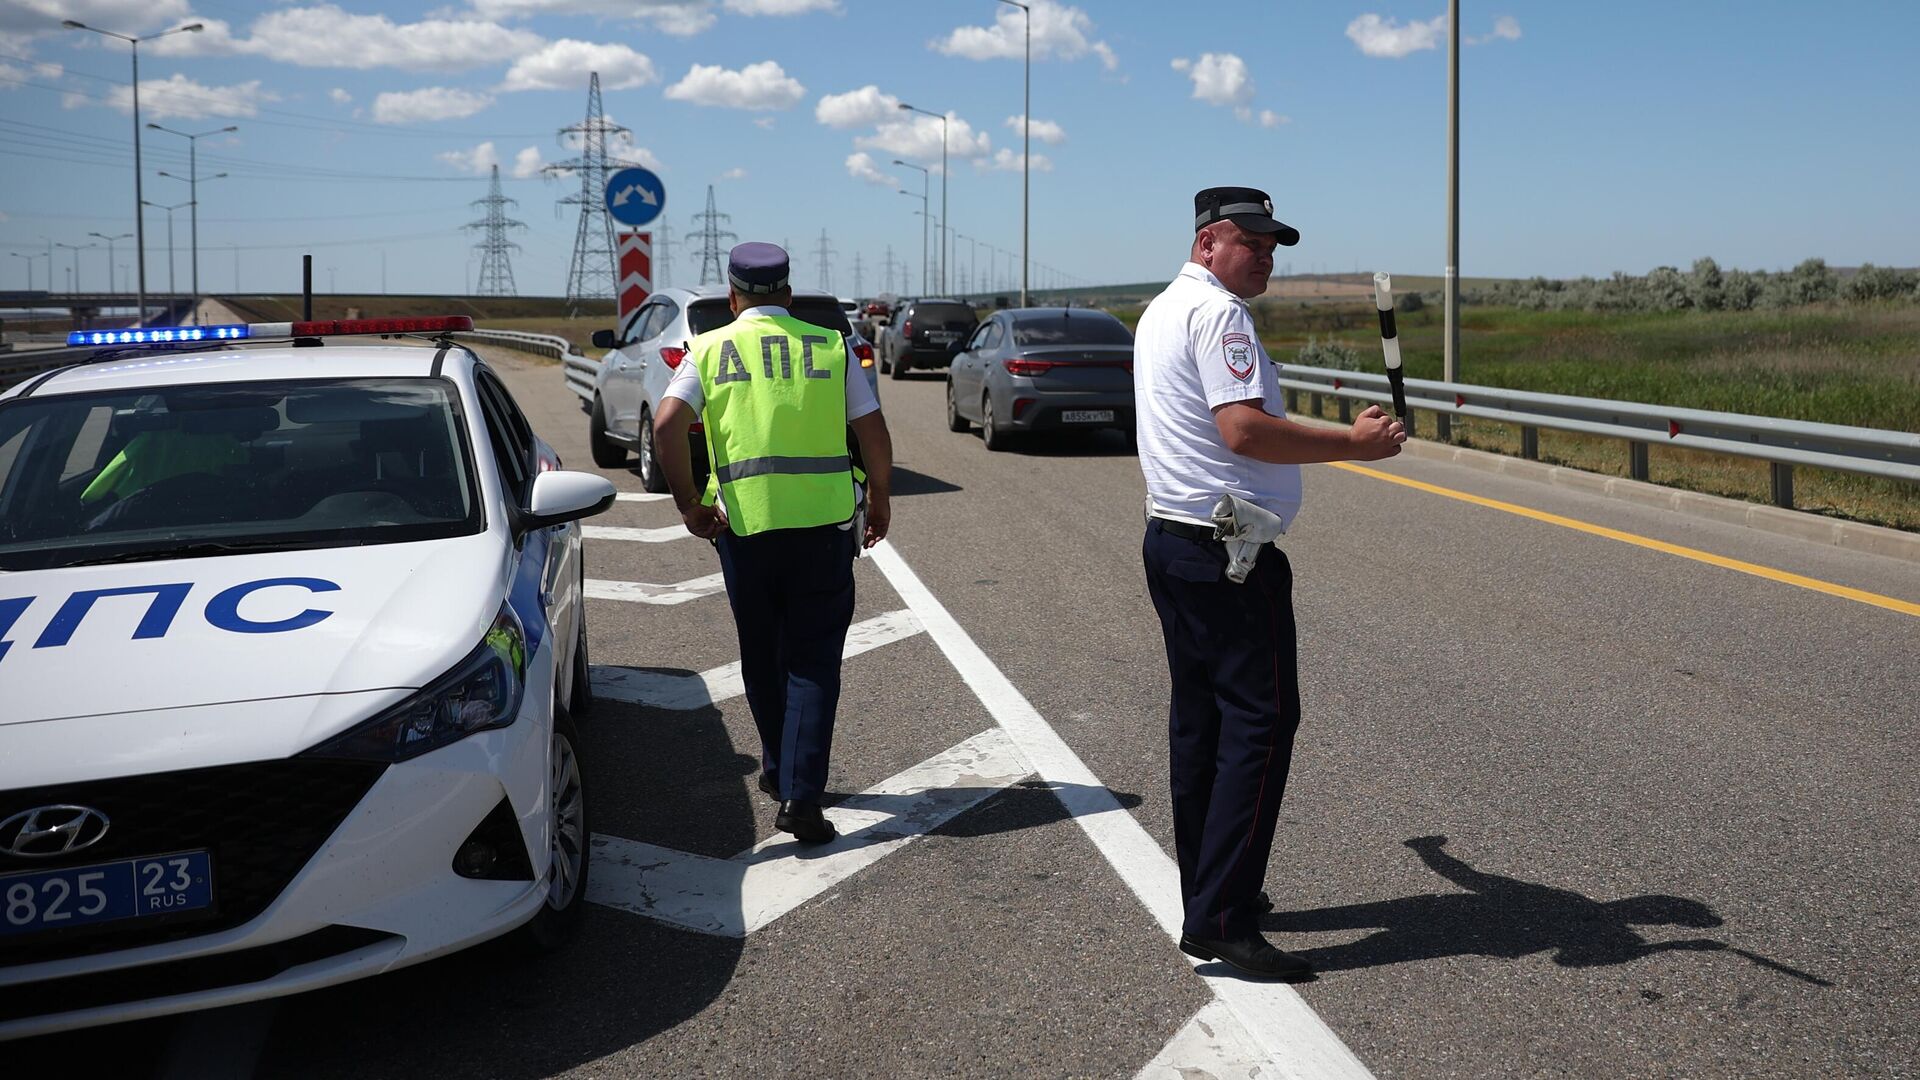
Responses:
[592,275]
[496,268]
[712,264]
[826,253]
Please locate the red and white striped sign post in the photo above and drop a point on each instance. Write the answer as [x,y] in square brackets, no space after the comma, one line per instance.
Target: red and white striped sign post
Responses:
[636,276]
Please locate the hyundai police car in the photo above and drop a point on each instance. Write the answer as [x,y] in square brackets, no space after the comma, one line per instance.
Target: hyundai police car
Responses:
[290,635]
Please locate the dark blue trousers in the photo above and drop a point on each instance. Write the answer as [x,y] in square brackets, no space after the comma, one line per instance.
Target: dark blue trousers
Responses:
[1236,706]
[792,597]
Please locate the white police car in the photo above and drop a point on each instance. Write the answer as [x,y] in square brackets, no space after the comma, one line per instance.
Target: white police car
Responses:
[289,638]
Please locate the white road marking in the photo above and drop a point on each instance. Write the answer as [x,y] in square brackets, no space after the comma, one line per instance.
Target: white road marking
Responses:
[662,690]
[734,897]
[1294,1038]
[1213,1044]
[642,592]
[641,536]
[640,496]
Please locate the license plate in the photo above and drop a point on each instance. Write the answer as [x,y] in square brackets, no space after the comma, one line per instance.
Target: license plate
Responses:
[1086,416]
[130,889]
[942,337]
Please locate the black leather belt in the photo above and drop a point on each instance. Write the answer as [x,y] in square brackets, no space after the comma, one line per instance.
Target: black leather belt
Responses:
[1184,530]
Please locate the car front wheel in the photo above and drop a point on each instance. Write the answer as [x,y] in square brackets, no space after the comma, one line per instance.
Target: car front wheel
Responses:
[652,476]
[568,847]
[606,453]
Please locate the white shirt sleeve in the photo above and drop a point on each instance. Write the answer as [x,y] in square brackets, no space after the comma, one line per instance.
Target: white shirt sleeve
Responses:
[1227,355]
[685,385]
[860,399]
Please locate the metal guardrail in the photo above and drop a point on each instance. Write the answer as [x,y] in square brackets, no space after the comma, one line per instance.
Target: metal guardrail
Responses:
[20,366]
[1784,444]
[578,370]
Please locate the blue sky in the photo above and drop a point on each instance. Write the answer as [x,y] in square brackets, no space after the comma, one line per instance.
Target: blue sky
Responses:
[1595,138]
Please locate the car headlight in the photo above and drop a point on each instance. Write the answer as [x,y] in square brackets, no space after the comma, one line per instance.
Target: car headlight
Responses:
[483,691]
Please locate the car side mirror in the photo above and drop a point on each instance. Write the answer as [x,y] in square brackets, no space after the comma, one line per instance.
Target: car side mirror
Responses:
[605,339]
[562,496]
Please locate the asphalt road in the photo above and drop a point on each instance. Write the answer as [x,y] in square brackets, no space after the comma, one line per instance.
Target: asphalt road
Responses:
[1678,803]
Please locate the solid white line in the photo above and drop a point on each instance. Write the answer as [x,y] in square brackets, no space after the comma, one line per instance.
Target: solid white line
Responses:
[640,496]
[642,592]
[734,897]
[643,536]
[1213,1044]
[663,690]
[1295,1039]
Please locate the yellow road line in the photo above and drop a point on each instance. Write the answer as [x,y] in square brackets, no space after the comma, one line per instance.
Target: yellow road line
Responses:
[1696,555]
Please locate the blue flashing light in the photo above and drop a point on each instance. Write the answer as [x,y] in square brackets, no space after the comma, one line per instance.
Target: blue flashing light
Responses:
[157,335]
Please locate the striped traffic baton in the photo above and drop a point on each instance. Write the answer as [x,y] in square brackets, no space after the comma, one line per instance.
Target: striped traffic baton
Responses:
[1390,344]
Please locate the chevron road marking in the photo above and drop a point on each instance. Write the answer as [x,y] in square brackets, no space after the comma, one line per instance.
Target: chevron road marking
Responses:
[640,536]
[662,690]
[641,592]
[734,897]
[640,496]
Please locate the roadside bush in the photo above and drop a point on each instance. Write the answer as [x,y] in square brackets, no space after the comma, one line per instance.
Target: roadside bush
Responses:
[1329,354]
[1408,302]
[1873,283]
[1705,288]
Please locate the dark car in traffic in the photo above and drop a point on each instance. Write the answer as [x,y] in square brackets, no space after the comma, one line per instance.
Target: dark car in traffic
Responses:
[1035,369]
[922,333]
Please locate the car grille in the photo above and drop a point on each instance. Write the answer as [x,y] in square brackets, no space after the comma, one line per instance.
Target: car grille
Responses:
[261,821]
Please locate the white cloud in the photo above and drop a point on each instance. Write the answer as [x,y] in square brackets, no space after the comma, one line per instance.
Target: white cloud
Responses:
[763,122]
[1505,28]
[20,19]
[558,65]
[1269,119]
[480,160]
[339,96]
[861,167]
[780,7]
[428,104]
[1044,130]
[184,99]
[678,17]
[757,86]
[1005,160]
[918,137]
[1218,78]
[857,108]
[1388,38]
[625,153]
[528,163]
[1058,30]
[323,35]
[735,173]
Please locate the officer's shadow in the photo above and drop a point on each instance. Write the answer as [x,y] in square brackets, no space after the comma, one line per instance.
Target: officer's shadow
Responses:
[1507,918]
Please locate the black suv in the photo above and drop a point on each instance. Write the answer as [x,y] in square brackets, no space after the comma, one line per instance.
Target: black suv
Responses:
[922,334]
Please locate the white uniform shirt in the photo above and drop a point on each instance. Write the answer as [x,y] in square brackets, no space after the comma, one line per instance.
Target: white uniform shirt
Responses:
[685,383]
[1195,350]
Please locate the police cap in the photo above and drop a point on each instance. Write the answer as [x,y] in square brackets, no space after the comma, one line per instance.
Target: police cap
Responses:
[1249,208]
[757,268]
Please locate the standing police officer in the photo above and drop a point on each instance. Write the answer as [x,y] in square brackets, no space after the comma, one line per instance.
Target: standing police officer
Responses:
[1211,424]
[777,400]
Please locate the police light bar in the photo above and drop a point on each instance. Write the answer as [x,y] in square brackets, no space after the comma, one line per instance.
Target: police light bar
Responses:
[435,324]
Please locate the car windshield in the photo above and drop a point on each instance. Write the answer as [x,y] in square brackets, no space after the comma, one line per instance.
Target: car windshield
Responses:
[228,467]
[705,315]
[942,316]
[1089,328]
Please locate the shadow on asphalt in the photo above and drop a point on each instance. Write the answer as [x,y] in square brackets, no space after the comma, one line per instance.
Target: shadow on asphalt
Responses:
[1026,805]
[1506,918]
[1104,442]
[908,482]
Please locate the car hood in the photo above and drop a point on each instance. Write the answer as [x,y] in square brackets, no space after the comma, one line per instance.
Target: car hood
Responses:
[179,635]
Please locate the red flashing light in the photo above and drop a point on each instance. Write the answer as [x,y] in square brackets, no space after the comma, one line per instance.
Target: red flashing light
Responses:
[672,356]
[436,324]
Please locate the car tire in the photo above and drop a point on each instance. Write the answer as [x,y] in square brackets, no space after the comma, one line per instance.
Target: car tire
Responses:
[580,694]
[652,476]
[955,422]
[995,436]
[606,453]
[566,898]
[899,369]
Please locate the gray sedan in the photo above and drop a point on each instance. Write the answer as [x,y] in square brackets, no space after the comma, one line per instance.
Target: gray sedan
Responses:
[1035,369]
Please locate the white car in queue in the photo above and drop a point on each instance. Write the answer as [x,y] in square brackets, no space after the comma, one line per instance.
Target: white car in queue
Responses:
[290,637]
[651,344]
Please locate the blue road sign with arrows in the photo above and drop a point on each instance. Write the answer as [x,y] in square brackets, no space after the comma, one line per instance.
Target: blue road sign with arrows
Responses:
[635,196]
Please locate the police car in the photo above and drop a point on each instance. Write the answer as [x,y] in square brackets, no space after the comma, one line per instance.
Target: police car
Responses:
[290,636]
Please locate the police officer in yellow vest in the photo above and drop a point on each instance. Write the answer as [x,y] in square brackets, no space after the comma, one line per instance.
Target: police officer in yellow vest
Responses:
[777,398]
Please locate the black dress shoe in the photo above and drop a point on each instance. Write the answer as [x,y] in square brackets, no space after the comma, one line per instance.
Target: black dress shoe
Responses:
[805,821]
[1250,955]
[772,787]
[1263,903]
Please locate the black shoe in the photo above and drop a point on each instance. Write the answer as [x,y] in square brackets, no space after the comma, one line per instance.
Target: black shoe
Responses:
[805,821]
[772,787]
[1263,903]
[1249,955]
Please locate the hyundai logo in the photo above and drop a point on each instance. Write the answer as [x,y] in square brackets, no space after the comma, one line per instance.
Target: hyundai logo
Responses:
[45,831]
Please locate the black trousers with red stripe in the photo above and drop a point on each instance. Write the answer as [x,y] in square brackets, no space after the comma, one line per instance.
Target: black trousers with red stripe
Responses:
[1236,706]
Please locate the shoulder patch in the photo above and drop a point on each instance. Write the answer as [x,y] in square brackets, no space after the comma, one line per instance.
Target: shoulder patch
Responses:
[1237,350]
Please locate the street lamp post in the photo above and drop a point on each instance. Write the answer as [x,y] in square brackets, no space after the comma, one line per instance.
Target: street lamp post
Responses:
[1026,147]
[169,210]
[193,188]
[76,249]
[139,226]
[32,315]
[943,186]
[923,219]
[112,287]
[1450,366]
